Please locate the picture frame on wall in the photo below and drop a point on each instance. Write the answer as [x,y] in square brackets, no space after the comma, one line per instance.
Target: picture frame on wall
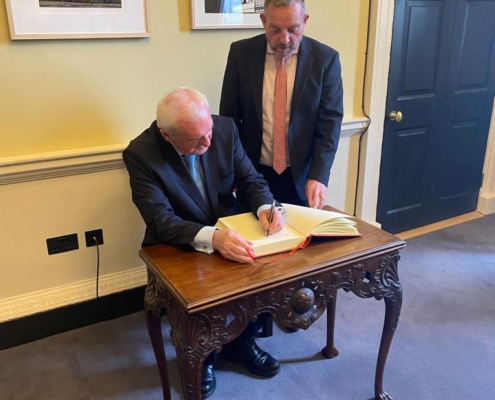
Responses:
[226,14]
[78,19]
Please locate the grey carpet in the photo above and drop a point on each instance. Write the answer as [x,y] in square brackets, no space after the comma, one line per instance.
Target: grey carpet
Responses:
[444,347]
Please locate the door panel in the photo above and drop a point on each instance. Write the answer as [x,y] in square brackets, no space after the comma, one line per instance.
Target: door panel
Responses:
[411,146]
[420,56]
[441,79]
[476,44]
[469,101]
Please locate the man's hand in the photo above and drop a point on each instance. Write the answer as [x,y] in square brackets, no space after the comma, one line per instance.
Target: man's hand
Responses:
[232,245]
[278,220]
[315,193]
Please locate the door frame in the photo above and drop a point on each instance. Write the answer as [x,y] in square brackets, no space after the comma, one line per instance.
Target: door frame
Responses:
[382,16]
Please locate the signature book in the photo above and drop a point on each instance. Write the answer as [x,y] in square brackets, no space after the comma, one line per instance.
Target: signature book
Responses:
[301,223]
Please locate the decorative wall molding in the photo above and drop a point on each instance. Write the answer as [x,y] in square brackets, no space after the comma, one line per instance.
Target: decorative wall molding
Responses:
[486,203]
[84,161]
[353,127]
[58,164]
[44,300]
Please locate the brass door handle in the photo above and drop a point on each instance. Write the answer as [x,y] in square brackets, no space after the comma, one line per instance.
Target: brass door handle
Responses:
[395,116]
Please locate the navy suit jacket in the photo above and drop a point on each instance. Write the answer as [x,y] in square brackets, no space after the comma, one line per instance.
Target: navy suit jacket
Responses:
[168,198]
[316,108]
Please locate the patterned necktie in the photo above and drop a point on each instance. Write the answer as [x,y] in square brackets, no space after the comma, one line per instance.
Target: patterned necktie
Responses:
[279,113]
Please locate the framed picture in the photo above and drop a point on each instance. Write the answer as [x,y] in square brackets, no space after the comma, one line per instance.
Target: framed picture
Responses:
[78,19]
[226,14]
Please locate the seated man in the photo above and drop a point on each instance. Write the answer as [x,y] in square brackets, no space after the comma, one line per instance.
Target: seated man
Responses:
[180,202]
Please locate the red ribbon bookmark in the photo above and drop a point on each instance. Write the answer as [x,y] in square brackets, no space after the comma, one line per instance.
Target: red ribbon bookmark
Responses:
[301,245]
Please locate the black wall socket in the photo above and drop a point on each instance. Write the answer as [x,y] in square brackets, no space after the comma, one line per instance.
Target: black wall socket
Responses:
[90,235]
[61,244]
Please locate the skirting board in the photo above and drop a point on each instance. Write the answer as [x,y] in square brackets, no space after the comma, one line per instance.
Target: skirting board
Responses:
[44,300]
[39,326]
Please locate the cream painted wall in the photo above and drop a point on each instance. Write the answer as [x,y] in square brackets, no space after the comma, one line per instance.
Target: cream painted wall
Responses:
[60,99]
[70,94]
[33,211]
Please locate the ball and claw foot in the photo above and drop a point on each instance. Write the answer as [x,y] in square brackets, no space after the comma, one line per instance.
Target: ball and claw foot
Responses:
[330,353]
[383,396]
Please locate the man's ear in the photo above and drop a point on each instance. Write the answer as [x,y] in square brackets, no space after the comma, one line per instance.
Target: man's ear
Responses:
[165,135]
[263,19]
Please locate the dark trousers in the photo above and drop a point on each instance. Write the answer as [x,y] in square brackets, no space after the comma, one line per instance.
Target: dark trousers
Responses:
[251,329]
[282,186]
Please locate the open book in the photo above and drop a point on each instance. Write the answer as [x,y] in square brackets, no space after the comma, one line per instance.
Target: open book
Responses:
[300,224]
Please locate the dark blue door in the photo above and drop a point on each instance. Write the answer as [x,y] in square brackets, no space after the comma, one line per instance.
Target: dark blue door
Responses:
[439,103]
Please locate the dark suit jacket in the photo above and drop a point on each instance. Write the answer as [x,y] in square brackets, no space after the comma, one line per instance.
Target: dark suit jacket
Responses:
[316,109]
[169,200]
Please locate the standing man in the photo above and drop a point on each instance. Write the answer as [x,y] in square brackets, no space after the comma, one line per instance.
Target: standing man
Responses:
[183,170]
[284,92]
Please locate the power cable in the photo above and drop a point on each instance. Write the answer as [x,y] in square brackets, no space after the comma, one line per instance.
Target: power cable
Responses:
[362,107]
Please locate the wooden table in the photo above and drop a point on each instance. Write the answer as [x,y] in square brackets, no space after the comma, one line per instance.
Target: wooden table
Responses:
[209,300]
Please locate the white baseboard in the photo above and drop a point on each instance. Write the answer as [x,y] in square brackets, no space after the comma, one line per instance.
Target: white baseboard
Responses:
[486,204]
[44,300]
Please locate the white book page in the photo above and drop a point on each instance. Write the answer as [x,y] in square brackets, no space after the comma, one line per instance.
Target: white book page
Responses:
[286,233]
[250,229]
[306,220]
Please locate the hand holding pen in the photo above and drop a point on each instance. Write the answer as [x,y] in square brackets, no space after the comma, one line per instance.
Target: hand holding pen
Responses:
[270,218]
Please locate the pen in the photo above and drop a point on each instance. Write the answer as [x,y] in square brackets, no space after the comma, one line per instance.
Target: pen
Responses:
[270,218]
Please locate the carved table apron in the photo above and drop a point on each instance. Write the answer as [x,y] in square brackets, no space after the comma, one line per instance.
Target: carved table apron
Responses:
[202,324]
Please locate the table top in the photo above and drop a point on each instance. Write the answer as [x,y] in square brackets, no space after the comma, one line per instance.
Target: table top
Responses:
[200,281]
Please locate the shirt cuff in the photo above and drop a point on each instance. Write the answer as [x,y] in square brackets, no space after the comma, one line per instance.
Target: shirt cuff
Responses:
[203,241]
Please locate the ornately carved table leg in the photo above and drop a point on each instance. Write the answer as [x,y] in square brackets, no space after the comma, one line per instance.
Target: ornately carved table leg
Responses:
[153,321]
[329,351]
[190,371]
[392,312]
[390,289]
[152,310]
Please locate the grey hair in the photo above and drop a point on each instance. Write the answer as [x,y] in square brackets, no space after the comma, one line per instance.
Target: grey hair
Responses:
[181,104]
[286,3]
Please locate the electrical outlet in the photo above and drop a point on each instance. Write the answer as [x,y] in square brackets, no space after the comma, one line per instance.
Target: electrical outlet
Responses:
[92,235]
[61,244]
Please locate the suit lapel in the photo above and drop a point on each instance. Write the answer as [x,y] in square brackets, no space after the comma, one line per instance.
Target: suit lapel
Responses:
[256,71]
[304,63]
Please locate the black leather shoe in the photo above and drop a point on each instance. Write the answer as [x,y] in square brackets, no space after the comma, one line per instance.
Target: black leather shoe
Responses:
[257,361]
[208,381]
